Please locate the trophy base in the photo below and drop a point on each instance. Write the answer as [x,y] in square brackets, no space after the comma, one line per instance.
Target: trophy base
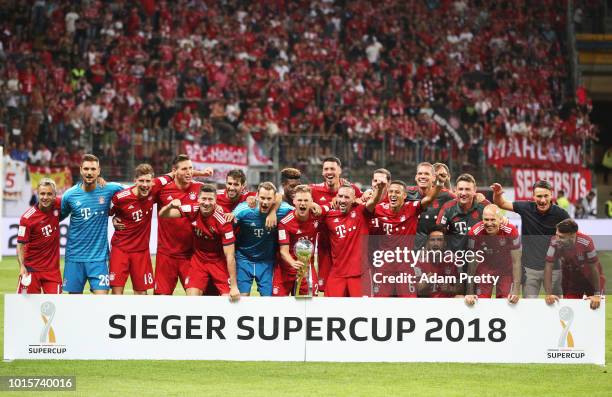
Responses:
[303,296]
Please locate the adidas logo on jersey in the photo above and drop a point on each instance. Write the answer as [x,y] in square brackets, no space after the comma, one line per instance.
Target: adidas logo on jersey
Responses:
[169,198]
[29,212]
[130,207]
[299,231]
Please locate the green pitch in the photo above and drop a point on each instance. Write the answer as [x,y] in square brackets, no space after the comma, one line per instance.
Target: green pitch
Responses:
[213,378]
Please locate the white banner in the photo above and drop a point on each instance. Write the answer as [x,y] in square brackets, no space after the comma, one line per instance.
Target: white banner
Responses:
[221,157]
[286,329]
[14,178]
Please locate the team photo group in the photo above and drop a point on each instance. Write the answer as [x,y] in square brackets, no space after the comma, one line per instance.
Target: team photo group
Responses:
[430,237]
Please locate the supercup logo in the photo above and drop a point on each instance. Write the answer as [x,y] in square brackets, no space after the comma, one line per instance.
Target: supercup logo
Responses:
[566,317]
[47,312]
[565,350]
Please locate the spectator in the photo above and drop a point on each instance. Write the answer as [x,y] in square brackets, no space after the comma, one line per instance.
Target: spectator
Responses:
[20,153]
[42,157]
[589,203]
[562,201]
[373,72]
[607,164]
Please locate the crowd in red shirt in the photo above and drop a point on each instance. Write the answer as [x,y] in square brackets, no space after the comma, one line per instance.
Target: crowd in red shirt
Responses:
[133,77]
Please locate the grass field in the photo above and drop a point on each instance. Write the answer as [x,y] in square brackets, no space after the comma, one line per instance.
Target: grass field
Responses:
[212,378]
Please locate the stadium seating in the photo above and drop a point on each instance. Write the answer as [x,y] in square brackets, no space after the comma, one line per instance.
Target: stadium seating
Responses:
[131,80]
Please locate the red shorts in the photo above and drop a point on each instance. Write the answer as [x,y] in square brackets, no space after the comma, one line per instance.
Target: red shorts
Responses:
[502,289]
[338,287]
[386,289]
[168,271]
[283,283]
[48,282]
[573,296]
[135,264]
[200,273]
[325,263]
[576,290]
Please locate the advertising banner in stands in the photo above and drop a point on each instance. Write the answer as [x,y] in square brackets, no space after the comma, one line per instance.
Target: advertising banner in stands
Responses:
[257,157]
[576,185]
[61,175]
[14,178]
[521,152]
[221,157]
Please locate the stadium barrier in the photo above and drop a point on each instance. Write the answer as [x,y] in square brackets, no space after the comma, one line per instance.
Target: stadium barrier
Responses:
[598,229]
[288,329]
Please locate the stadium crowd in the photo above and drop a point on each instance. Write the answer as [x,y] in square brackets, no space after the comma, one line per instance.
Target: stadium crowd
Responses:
[121,78]
[432,239]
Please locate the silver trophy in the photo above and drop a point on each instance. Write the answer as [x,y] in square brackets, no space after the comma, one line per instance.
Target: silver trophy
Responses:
[304,251]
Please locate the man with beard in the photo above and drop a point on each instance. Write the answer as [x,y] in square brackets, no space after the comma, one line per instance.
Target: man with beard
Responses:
[88,205]
[501,246]
[539,219]
[213,240]
[234,192]
[397,220]
[256,243]
[303,223]
[38,243]
[130,243]
[348,235]
[582,275]
[324,194]
[442,276]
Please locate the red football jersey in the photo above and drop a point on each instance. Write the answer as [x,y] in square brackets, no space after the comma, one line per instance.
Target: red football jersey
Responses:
[228,206]
[174,236]
[39,231]
[404,222]
[574,262]
[136,214]
[210,233]
[291,230]
[322,195]
[438,269]
[497,258]
[348,234]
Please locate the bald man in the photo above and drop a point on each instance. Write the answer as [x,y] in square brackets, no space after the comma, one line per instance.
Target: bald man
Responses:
[500,258]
